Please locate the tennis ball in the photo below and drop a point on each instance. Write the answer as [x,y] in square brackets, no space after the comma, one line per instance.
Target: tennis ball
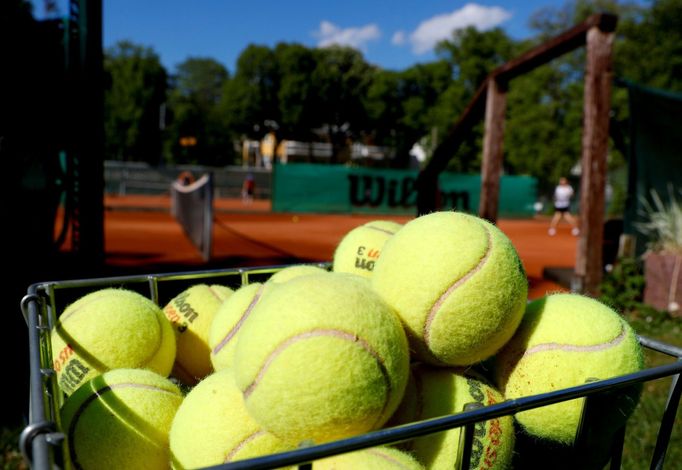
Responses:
[110,329]
[360,248]
[321,357]
[566,340]
[212,427]
[191,312]
[227,323]
[222,337]
[434,392]
[457,283]
[120,419]
[375,458]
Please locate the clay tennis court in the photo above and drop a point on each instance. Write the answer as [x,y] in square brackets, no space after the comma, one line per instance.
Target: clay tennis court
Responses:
[141,236]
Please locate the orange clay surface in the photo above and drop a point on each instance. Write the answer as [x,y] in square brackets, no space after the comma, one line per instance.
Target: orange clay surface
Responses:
[142,237]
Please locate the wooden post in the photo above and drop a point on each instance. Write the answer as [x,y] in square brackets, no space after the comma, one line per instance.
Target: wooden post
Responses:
[495,107]
[597,106]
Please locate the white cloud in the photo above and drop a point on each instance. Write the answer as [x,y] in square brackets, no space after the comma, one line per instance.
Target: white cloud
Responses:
[439,27]
[358,37]
[399,38]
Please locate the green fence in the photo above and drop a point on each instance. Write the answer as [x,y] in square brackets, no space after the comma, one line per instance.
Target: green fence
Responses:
[340,189]
[655,159]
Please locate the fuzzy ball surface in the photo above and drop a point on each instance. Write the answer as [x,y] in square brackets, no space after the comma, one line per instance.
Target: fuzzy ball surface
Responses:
[438,391]
[110,329]
[322,357]
[458,285]
[212,427]
[191,312]
[361,247]
[567,340]
[120,419]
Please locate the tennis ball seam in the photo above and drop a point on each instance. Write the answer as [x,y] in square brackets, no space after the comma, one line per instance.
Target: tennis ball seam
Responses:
[437,305]
[578,348]
[230,455]
[90,399]
[323,332]
[68,313]
[379,229]
[388,458]
[214,292]
[235,329]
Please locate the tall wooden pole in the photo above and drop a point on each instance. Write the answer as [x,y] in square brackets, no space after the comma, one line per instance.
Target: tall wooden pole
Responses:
[597,105]
[495,108]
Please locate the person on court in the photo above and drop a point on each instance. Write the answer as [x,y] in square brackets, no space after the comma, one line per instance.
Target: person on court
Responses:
[563,193]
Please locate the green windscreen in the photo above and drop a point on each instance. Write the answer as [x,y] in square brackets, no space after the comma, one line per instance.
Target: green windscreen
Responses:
[655,160]
[302,187]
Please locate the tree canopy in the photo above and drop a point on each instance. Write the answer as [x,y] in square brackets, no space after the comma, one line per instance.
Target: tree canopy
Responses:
[334,94]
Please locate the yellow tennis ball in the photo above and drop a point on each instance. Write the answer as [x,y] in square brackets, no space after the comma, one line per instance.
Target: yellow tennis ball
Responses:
[433,392]
[230,317]
[191,312]
[374,458]
[360,248]
[321,357]
[457,283]
[566,340]
[120,419]
[110,329]
[227,323]
[212,427]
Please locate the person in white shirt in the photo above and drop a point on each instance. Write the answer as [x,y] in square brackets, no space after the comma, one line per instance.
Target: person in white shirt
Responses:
[563,194]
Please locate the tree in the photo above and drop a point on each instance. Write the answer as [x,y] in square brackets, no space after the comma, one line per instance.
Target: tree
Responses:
[194,105]
[474,54]
[383,106]
[341,79]
[250,97]
[544,125]
[132,103]
[650,49]
[400,105]
[471,55]
[299,108]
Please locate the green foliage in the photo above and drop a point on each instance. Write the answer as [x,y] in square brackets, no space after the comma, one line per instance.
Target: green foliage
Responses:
[474,54]
[471,55]
[298,104]
[623,287]
[401,106]
[250,97]
[663,223]
[193,104]
[542,134]
[650,48]
[132,103]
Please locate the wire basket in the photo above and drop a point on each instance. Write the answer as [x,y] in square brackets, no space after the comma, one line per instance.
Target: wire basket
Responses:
[42,439]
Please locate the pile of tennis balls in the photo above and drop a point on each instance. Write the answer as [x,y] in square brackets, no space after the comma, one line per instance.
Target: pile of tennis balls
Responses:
[414,321]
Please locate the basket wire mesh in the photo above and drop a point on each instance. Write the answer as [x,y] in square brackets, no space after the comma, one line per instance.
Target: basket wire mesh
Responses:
[41,440]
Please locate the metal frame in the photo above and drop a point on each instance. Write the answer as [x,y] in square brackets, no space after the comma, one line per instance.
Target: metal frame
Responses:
[41,439]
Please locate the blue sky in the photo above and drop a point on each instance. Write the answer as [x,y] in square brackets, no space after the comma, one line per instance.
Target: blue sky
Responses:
[393,34]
